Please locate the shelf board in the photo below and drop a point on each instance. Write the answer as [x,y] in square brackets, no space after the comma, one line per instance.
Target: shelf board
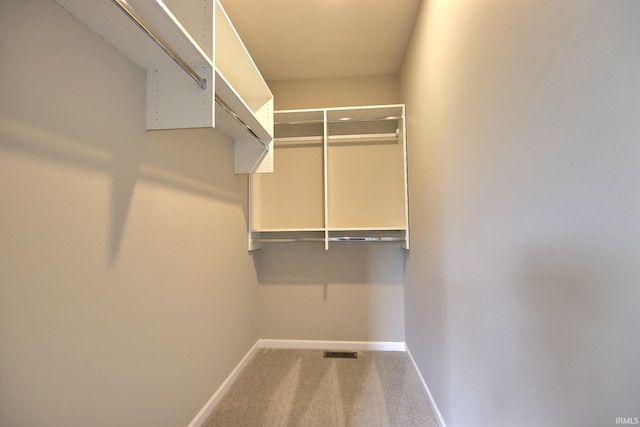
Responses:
[234,61]
[322,235]
[365,229]
[300,140]
[340,114]
[365,113]
[286,230]
[366,138]
[104,18]
[174,100]
[332,229]
[365,239]
[289,240]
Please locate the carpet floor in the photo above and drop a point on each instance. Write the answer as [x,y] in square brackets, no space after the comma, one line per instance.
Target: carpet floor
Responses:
[300,388]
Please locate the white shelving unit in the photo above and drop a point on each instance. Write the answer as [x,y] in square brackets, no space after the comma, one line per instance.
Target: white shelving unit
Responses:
[217,84]
[341,175]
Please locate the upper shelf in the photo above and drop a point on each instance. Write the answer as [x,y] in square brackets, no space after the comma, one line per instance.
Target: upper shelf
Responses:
[230,93]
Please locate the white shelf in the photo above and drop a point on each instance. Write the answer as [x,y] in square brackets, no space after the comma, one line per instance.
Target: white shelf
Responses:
[367,229]
[299,140]
[327,236]
[174,99]
[286,230]
[341,176]
[366,138]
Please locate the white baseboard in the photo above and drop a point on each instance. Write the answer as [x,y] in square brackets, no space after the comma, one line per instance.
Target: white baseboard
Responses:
[432,401]
[333,345]
[199,419]
[206,410]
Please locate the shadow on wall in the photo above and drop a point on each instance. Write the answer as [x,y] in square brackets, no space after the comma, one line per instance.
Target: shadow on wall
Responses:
[575,336]
[170,158]
[343,263]
[352,292]
[94,120]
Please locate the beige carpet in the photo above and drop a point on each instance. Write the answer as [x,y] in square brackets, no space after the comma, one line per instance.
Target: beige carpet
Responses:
[301,388]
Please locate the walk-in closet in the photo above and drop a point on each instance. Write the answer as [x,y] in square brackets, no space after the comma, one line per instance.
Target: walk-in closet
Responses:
[319,212]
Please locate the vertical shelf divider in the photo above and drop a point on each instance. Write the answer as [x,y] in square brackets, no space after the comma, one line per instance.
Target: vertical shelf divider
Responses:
[403,135]
[325,141]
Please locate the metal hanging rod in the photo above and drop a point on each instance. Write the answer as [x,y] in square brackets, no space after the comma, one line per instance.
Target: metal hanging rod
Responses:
[133,15]
[317,139]
[363,119]
[289,240]
[341,120]
[366,239]
[331,239]
[245,126]
[202,82]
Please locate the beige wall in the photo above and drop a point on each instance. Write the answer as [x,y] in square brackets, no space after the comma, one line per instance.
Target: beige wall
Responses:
[522,282]
[352,292]
[126,291]
[336,92]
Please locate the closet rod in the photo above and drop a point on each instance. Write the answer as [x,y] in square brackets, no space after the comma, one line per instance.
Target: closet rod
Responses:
[288,240]
[341,120]
[245,126]
[133,15]
[366,239]
[331,239]
[363,119]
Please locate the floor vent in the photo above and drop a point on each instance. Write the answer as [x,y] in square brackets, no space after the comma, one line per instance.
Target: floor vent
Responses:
[340,355]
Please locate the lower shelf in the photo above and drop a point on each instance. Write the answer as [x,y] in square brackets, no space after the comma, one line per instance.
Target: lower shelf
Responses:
[366,239]
[327,236]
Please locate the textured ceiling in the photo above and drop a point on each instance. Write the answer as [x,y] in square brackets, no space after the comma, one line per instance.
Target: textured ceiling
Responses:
[301,39]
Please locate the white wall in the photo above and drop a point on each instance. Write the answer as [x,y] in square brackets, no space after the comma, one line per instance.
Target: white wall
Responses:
[522,296]
[126,291]
[352,292]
